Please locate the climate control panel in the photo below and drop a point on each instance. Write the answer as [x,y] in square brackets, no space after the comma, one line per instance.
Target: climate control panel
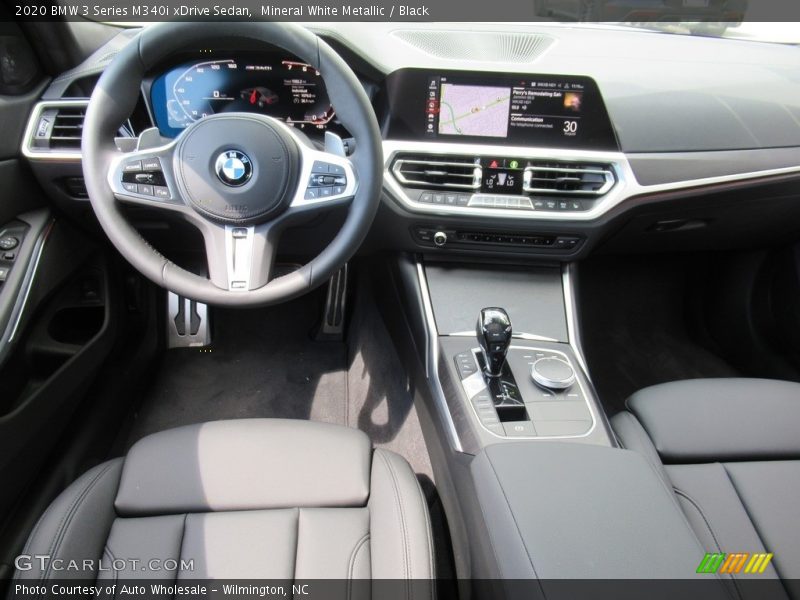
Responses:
[465,239]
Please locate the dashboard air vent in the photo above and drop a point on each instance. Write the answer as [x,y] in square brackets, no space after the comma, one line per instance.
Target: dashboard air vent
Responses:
[562,178]
[483,46]
[431,171]
[67,128]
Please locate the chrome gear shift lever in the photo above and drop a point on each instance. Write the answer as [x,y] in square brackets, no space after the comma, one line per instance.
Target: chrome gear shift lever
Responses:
[494,337]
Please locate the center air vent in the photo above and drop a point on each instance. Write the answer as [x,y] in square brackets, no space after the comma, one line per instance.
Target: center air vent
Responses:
[445,172]
[560,178]
[67,128]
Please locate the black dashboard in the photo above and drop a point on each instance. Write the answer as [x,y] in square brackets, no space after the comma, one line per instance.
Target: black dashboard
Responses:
[542,158]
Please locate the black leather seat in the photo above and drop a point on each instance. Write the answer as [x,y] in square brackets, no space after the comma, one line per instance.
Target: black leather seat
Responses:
[730,449]
[246,499]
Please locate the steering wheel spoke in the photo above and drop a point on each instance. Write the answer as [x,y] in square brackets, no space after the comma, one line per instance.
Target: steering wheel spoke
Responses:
[240,258]
[145,177]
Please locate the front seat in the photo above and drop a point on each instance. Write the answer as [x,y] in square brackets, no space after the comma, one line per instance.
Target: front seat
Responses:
[730,449]
[243,499]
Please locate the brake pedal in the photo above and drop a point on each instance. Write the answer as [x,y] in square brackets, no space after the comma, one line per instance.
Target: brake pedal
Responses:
[187,322]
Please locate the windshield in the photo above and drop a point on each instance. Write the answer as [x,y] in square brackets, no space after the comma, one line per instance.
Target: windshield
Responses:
[782,33]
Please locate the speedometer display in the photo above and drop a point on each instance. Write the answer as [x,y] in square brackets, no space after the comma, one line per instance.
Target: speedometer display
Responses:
[285,89]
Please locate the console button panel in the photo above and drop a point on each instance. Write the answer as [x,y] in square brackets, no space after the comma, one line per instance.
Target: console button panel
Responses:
[470,238]
[499,201]
[528,410]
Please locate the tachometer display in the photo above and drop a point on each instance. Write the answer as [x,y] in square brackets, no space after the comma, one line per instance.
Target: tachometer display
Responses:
[288,90]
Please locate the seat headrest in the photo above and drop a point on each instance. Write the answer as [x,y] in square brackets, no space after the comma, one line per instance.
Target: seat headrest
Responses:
[243,465]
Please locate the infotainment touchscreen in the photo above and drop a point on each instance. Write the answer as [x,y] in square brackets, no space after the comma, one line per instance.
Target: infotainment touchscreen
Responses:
[526,110]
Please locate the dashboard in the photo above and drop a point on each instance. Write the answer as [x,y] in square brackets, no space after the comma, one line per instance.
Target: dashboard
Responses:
[538,141]
[270,84]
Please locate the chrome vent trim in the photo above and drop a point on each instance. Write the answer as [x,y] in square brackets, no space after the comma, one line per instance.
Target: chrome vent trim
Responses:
[55,120]
[624,182]
[480,46]
[459,173]
[67,127]
[568,179]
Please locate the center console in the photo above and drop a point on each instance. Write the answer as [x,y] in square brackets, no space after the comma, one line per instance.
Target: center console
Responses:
[536,489]
[502,354]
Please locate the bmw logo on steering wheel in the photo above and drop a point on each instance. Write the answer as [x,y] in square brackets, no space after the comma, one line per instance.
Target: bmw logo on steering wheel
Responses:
[233,167]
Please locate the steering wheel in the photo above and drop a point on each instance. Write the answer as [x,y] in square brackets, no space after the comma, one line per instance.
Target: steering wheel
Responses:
[240,178]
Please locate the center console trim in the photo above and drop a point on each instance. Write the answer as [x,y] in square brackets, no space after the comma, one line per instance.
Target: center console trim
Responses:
[432,362]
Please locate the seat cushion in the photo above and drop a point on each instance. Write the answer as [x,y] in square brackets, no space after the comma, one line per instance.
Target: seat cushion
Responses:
[725,446]
[247,499]
[720,419]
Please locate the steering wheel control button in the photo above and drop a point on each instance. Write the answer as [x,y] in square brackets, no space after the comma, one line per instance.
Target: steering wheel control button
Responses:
[323,183]
[553,373]
[162,192]
[234,168]
[133,166]
[151,164]
[146,190]
[130,187]
[8,242]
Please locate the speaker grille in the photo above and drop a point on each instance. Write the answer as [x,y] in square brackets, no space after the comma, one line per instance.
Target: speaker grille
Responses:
[485,46]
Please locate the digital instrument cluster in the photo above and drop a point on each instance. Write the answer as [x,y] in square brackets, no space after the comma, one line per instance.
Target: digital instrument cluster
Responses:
[286,89]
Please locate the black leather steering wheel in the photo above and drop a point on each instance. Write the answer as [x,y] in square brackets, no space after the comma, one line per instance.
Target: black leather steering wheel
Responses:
[240,178]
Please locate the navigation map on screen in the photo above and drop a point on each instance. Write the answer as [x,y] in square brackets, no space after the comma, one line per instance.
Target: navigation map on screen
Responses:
[474,110]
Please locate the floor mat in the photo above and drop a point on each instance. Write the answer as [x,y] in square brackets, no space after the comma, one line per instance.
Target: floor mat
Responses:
[263,363]
[639,327]
[380,401]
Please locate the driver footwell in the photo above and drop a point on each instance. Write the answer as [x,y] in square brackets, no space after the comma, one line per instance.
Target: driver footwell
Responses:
[266,363]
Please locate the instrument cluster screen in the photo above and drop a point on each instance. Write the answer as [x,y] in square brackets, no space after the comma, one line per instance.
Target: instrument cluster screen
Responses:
[282,88]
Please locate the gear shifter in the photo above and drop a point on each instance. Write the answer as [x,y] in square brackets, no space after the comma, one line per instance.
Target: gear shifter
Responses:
[494,338]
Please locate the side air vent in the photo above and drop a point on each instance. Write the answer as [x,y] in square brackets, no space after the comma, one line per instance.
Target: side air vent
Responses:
[54,129]
[67,128]
[445,172]
[483,46]
[547,177]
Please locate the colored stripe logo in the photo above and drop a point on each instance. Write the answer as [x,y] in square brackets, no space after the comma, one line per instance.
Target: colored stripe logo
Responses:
[735,562]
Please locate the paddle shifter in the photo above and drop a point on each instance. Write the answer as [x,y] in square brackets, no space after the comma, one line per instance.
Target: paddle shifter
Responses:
[494,338]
